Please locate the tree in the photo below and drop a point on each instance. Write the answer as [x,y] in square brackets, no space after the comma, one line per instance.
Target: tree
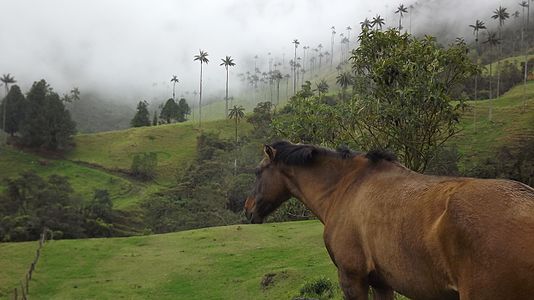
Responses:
[227,62]
[237,113]
[142,116]
[15,112]
[261,119]
[344,80]
[333,28]
[155,118]
[377,22]
[174,81]
[296,43]
[47,123]
[524,31]
[366,24]
[144,165]
[322,87]
[500,14]
[7,79]
[277,76]
[492,41]
[476,28]
[183,110]
[407,107]
[170,111]
[401,10]
[202,57]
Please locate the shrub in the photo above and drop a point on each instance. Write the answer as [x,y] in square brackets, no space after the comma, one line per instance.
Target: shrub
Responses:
[322,288]
[144,165]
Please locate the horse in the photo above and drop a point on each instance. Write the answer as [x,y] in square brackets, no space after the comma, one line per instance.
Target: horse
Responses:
[389,229]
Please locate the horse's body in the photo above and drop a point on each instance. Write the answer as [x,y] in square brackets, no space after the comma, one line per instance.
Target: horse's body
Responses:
[426,237]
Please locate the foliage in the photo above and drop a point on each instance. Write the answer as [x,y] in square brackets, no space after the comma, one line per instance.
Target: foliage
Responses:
[183,110]
[47,123]
[16,109]
[261,119]
[142,116]
[144,165]
[169,111]
[405,105]
[322,288]
[31,203]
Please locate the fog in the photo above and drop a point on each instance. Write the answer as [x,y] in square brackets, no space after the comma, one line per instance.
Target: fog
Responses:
[128,50]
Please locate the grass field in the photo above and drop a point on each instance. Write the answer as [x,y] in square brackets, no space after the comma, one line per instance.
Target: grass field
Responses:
[214,263]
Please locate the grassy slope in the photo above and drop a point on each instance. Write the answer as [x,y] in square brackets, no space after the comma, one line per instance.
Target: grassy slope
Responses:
[214,263]
[481,140]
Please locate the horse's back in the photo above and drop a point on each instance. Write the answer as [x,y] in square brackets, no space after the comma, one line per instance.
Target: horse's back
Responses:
[486,235]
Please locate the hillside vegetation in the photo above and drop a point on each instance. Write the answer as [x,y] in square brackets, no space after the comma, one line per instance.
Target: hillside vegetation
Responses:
[215,263]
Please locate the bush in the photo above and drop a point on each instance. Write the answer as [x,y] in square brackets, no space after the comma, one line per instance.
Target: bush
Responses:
[322,288]
[144,165]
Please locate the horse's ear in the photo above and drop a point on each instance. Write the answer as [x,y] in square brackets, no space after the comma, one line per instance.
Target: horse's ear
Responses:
[269,151]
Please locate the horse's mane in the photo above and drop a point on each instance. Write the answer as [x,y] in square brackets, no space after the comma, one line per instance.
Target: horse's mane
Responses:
[303,154]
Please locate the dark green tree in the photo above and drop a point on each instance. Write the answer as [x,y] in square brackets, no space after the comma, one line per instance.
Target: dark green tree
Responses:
[15,111]
[183,110]
[155,118]
[261,119]
[47,123]
[170,111]
[142,116]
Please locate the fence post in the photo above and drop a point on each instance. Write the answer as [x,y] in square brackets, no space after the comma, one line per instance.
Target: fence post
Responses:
[27,285]
[22,291]
[15,294]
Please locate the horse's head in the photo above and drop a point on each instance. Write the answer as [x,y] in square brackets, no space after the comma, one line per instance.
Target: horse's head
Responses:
[270,190]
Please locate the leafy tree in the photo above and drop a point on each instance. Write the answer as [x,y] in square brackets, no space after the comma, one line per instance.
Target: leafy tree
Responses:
[227,62]
[170,111]
[406,108]
[142,116]
[183,110]
[15,111]
[47,122]
[261,119]
[202,57]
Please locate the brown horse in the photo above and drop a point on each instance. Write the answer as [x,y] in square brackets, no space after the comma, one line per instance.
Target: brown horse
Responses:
[385,226]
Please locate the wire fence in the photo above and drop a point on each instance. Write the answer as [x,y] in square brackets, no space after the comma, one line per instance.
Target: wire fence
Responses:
[23,291]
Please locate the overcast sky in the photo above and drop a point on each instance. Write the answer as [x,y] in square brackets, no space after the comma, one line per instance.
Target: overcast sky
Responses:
[130,48]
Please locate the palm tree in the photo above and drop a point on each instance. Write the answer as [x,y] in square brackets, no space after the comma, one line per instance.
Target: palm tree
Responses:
[524,31]
[174,81]
[492,41]
[227,62]
[401,10]
[202,57]
[366,24]
[344,80]
[332,45]
[7,79]
[377,22]
[237,113]
[322,87]
[296,42]
[500,14]
[348,33]
[476,28]
[277,76]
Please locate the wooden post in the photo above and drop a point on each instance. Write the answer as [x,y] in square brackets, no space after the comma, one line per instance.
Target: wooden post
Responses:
[15,294]
[22,291]
[27,285]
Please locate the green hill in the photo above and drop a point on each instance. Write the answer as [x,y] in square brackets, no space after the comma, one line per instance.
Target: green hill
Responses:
[215,263]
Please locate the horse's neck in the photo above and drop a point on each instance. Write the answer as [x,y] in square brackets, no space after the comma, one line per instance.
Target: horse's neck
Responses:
[315,185]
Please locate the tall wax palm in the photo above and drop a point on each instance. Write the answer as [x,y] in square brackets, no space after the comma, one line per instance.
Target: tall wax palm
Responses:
[377,22]
[7,79]
[492,41]
[322,87]
[174,81]
[277,76]
[500,14]
[366,24]
[296,43]
[401,10]
[524,31]
[202,57]
[333,28]
[348,33]
[227,62]
[476,29]
[237,113]
[344,80]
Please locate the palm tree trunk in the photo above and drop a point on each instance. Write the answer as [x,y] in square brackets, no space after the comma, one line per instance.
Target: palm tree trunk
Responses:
[200,100]
[4,116]
[173,89]
[490,95]
[226,98]
[499,65]
[236,146]
[277,92]
[476,91]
